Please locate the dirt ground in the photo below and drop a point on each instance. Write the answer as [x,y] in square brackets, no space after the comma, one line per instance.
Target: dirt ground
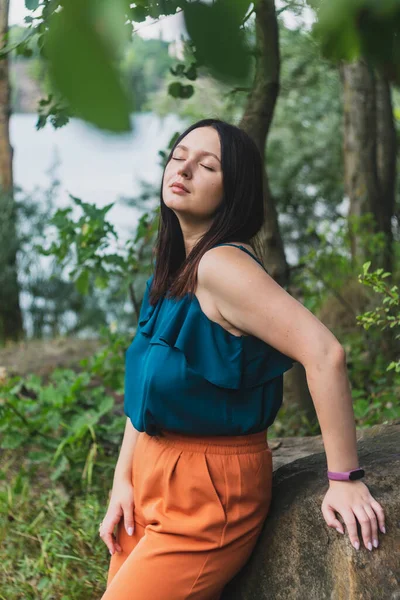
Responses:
[43,356]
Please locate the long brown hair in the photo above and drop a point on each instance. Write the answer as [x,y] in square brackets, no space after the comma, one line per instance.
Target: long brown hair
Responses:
[239,217]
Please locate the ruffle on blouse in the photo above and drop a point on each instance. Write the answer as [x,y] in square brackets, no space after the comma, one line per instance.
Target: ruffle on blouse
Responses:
[220,357]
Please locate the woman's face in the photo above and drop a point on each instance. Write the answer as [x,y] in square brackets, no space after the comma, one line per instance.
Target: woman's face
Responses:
[195,163]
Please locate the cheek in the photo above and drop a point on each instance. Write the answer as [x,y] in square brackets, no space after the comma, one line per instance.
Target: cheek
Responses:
[212,196]
[167,172]
[216,191]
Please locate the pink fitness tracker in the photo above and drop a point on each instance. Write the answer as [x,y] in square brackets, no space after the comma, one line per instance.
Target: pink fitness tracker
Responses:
[347,475]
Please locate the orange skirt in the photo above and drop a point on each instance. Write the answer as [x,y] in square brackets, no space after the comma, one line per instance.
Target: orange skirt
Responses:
[200,505]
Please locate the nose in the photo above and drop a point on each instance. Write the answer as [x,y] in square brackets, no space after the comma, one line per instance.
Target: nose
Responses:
[183,169]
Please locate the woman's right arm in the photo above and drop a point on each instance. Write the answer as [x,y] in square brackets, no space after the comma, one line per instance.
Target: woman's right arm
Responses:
[121,502]
[123,468]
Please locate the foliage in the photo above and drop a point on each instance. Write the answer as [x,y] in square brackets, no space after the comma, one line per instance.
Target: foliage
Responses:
[326,280]
[85,74]
[381,316]
[67,425]
[53,306]
[59,441]
[144,65]
[84,243]
[304,151]
[347,30]
[291,421]
[50,539]
[220,43]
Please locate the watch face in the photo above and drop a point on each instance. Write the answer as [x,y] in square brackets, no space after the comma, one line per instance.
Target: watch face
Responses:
[356,474]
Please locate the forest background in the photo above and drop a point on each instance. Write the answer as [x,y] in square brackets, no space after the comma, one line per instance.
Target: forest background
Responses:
[318,91]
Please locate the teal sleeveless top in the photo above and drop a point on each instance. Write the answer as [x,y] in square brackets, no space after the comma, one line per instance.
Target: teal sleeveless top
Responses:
[188,374]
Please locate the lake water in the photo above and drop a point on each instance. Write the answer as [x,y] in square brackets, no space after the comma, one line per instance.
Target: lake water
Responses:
[95,166]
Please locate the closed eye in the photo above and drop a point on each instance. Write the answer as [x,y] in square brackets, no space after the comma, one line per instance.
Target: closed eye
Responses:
[208,168]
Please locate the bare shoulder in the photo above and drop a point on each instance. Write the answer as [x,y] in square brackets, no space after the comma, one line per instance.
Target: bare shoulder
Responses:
[217,261]
[247,298]
[204,294]
[228,254]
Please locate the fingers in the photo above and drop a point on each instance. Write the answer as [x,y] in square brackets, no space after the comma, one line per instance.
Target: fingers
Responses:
[330,518]
[365,523]
[379,513]
[106,532]
[367,518]
[351,526]
[354,504]
[370,516]
[128,518]
[110,541]
[374,525]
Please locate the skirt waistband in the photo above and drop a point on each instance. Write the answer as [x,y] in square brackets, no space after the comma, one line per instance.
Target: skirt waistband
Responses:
[216,444]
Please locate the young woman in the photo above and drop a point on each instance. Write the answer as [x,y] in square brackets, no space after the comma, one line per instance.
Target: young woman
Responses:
[192,484]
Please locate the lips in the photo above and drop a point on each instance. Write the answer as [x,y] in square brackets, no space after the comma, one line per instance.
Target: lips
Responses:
[180,185]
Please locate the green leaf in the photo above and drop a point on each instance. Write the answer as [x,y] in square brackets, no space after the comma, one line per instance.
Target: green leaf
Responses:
[106,405]
[336,31]
[81,47]
[28,33]
[366,266]
[31,4]
[101,282]
[38,456]
[82,283]
[10,441]
[139,14]
[177,90]
[174,89]
[219,41]
[60,469]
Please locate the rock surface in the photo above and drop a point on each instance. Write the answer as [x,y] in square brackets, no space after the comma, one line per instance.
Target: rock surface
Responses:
[298,557]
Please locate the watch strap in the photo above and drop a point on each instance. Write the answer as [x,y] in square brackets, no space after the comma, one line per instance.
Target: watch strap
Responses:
[346,475]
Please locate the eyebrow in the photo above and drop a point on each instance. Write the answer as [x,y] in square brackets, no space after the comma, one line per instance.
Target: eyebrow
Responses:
[202,152]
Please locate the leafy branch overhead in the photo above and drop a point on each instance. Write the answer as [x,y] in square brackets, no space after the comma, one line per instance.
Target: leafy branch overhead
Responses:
[82,42]
[349,29]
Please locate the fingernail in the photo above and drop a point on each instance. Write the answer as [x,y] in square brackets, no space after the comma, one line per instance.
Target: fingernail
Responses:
[383,529]
[111,552]
[130,530]
[369,546]
[339,530]
[376,543]
[356,545]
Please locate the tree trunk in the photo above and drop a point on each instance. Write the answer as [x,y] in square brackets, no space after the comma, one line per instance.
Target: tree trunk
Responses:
[256,121]
[386,166]
[370,149]
[11,327]
[369,157]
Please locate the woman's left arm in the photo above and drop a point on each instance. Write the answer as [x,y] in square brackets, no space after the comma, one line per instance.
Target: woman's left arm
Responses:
[329,387]
[251,300]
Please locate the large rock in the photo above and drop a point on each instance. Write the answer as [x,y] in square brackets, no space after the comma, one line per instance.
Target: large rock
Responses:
[298,557]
